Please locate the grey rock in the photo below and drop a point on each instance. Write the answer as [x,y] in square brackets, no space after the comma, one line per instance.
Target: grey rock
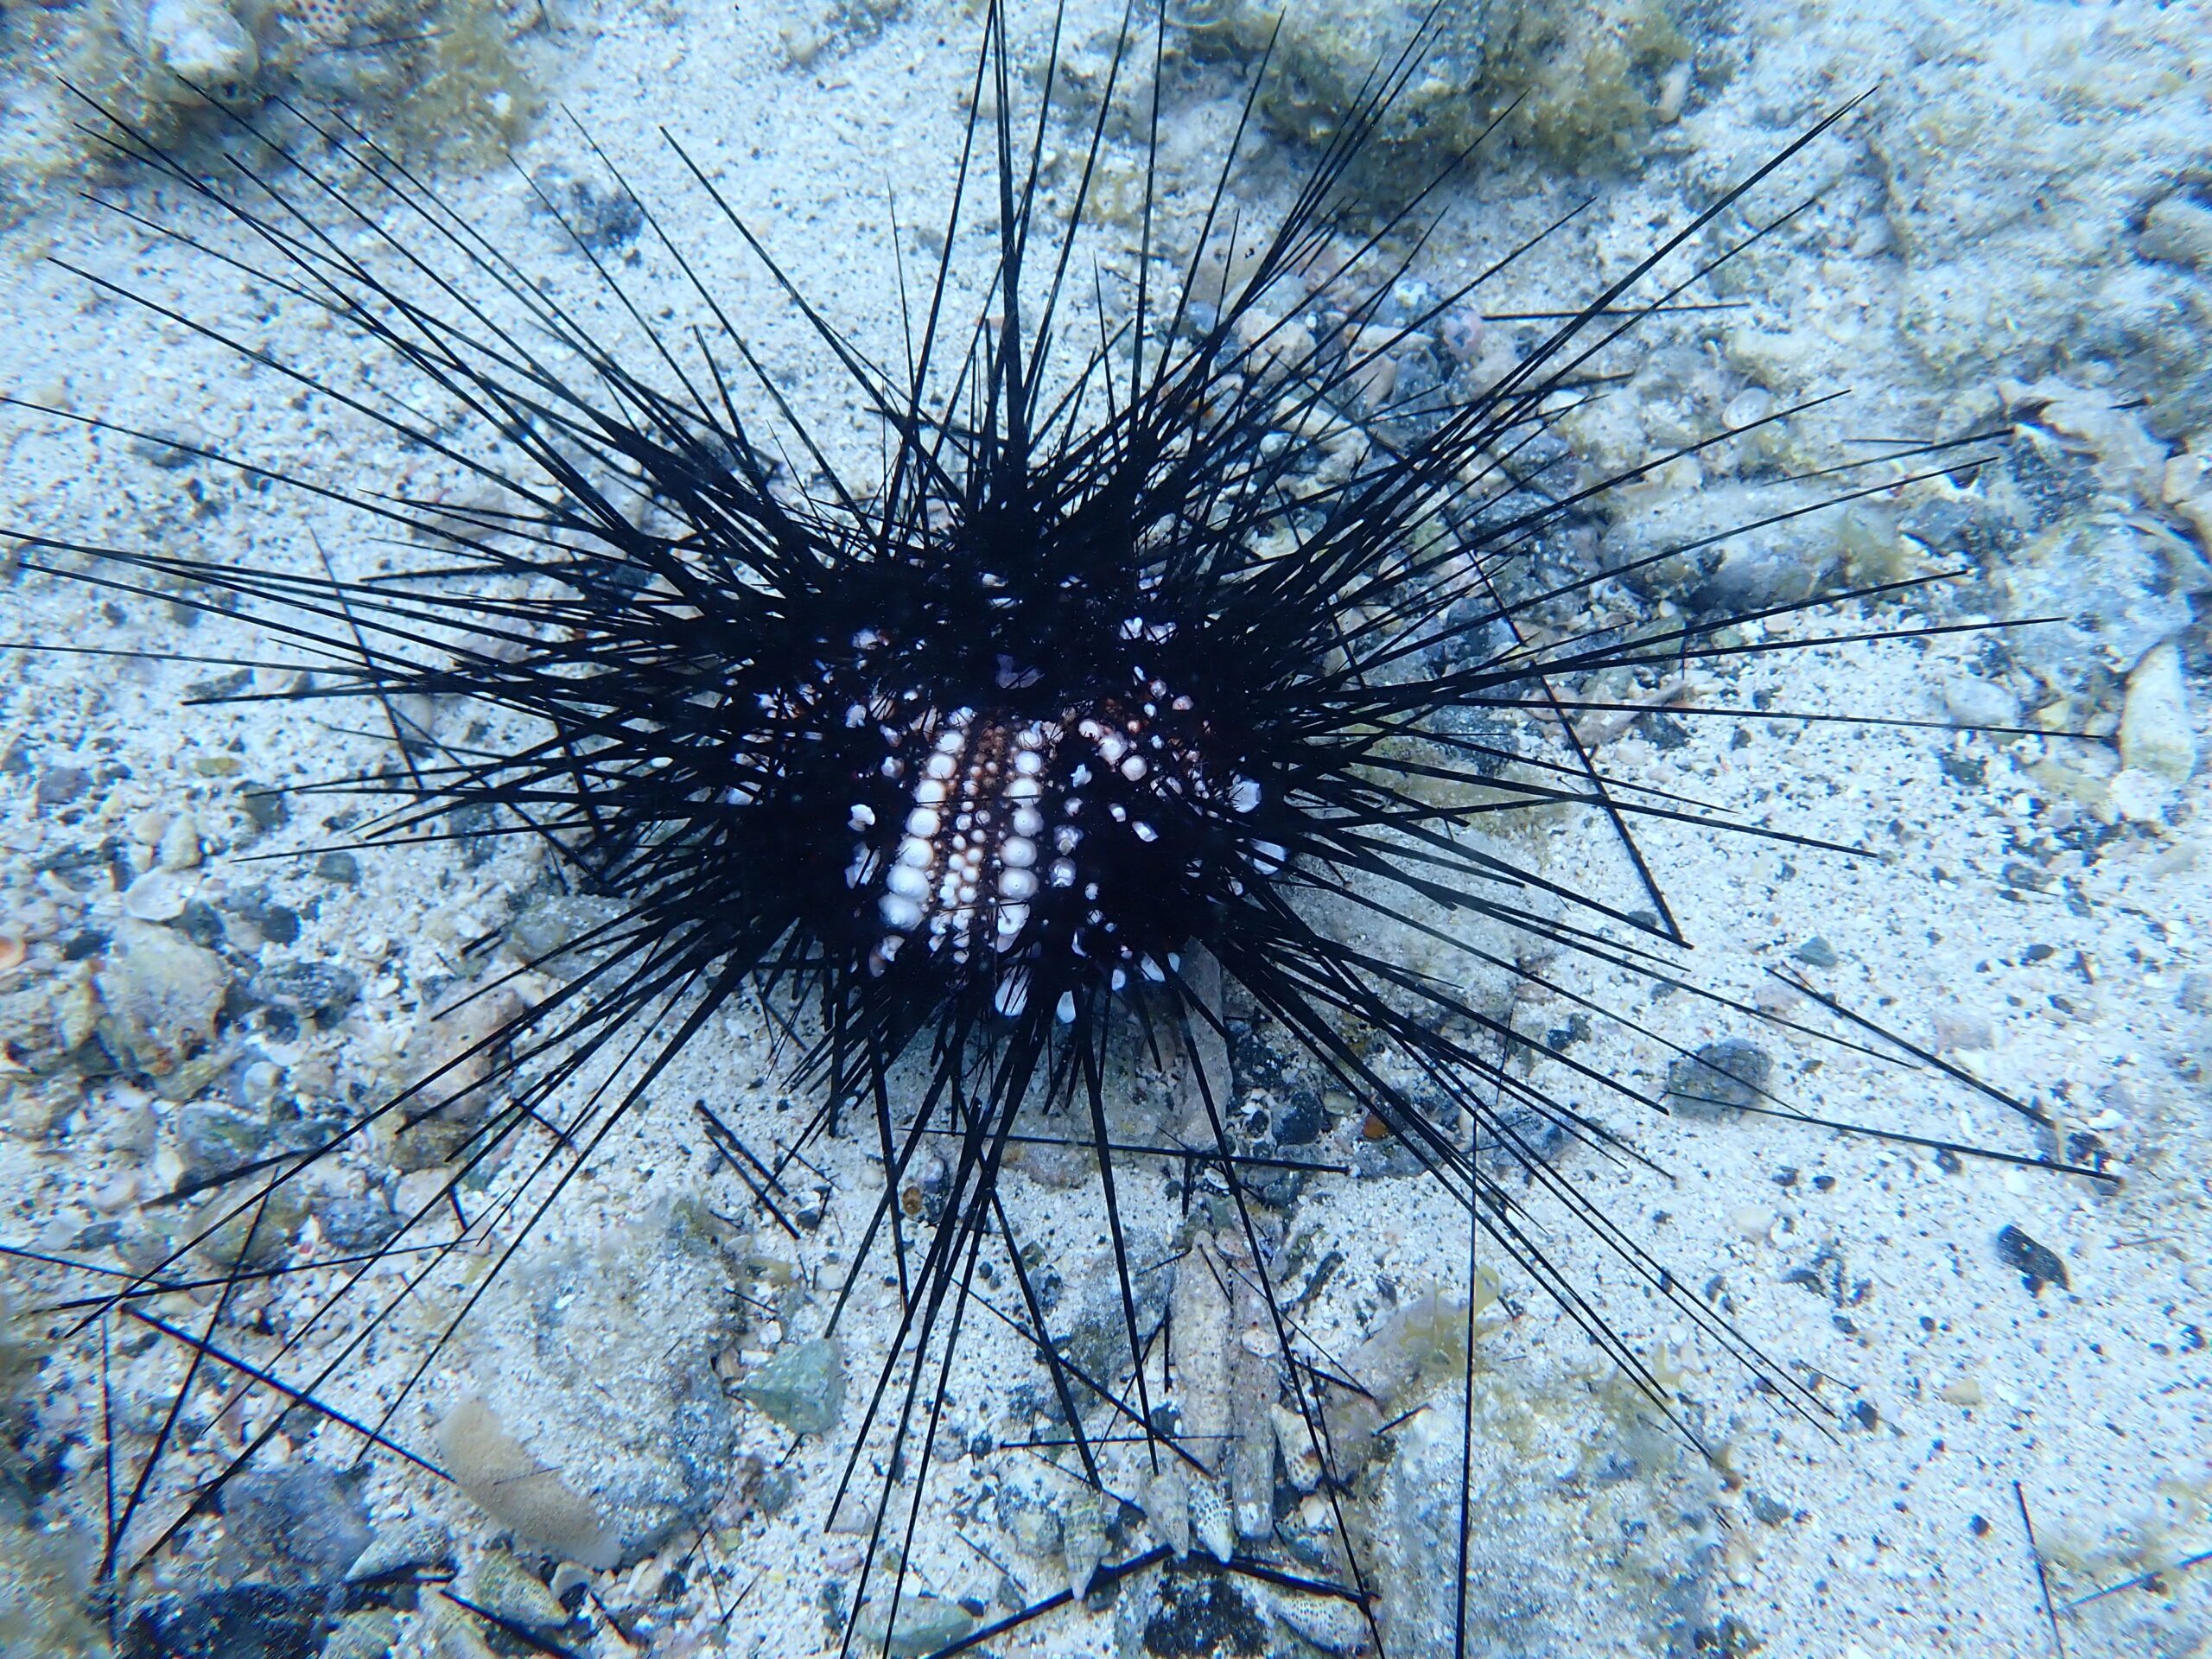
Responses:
[501,1587]
[1719,1079]
[341,868]
[254,1238]
[2178,229]
[1560,1564]
[44,1024]
[265,806]
[59,785]
[300,1525]
[924,1623]
[803,1388]
[1970,701]
[214,1138]
[370,1634]
[1725,573]
[1816,952]
[307,989]
[549,922]
[599,1362]
[353,1224]
[161,995]
[2108,578]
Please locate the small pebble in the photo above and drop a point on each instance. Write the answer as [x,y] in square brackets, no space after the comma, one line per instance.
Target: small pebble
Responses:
[925,1625]
[338,866]
[2180,230]
[413,1543]
[371,1633]
[266,807]
[501,1587]
[2036,1264]
[179,844]
[2156,733]
[1752,1223]
[59,785]
[306,989]
[803,1388]
[1969,701]
[157,896]
[1719,1079]
[1816,952]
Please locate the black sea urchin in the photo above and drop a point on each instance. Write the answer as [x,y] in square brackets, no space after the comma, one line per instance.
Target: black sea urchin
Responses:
[1152,710]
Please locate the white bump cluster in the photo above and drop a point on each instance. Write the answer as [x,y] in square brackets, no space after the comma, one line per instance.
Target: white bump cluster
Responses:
[994,810]
[964,869]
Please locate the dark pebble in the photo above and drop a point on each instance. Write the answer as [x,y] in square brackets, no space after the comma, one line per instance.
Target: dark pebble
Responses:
[600,219]
[166,453]
[1971,770]
[247,1621]
[1301,1122]
[220,687]
[59,785]
[90,943]
[277,923]
[1817,951]
[2036,1264]
[266,807]
[1507,1140]
[358,1224]
[214,1138]
[201,923]
[338,866]
[302,1524]
[1202,1614]
[1662,731]
[305,989]
[1719,1079]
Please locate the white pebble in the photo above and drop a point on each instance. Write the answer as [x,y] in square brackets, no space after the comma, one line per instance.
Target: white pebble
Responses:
[2156,735]
[157,896]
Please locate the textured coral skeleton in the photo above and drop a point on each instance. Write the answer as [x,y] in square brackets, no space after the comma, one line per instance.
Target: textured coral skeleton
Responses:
[984,784]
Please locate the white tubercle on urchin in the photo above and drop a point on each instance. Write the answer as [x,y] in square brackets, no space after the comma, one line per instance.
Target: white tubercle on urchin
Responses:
[996,815]
[964,862]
